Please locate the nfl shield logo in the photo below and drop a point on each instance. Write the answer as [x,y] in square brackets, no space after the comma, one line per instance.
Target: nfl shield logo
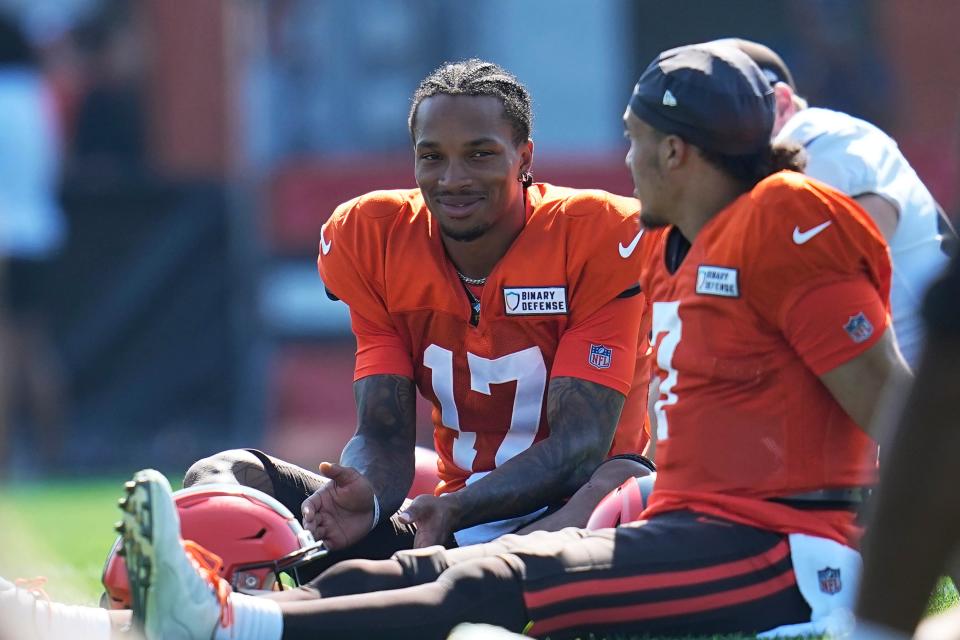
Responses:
[858,328]
[600,356]
[829,580]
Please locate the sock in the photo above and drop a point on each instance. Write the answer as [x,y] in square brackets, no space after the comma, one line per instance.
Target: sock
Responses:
[52,620]
[253,619]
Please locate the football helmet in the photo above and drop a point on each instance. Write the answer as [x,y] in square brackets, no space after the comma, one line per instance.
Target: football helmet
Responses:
[426,476]
[257,538]
[623,504]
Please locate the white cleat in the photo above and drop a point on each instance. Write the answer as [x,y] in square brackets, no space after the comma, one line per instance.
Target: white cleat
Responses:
[177,595]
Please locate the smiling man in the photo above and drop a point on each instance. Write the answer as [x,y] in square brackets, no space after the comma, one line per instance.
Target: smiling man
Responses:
[511,306]
[767,384]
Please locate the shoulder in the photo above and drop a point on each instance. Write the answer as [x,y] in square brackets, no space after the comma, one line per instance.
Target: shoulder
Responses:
[376,205]
[593,204]
[596,235]
[843,150]
[810,125]
[788,200]
[791,229]
[368,220]
[354,239]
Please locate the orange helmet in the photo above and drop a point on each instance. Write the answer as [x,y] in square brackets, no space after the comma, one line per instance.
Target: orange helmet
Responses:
[623,504]
[256,537]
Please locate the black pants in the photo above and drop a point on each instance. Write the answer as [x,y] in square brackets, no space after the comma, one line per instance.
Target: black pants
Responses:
[679,574]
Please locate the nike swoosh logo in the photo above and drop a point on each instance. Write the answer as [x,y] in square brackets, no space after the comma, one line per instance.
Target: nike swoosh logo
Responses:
[802,237]
[324,245]
[627,251]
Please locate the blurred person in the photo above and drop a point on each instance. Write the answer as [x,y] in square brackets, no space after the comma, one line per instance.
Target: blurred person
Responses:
[513,308]
[856,157]
[110,131]
[915,526]
[771,352]
[32,230]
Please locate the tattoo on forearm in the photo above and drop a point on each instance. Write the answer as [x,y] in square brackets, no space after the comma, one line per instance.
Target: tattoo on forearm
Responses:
[382,448]
[583,417]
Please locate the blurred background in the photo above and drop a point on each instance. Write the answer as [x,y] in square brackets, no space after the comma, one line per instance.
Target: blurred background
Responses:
[166,165]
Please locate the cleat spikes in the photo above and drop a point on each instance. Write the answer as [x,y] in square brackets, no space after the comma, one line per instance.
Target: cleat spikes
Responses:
[119,526]
[130,485]
[122,503]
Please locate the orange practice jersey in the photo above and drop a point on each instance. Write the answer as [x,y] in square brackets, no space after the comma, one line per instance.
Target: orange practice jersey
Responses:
[789,281]
[382,255]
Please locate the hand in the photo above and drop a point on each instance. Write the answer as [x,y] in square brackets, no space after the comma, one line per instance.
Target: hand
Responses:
[436,519]
[341,512]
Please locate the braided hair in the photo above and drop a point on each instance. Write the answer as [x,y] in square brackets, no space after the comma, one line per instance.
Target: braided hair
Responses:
[475,77]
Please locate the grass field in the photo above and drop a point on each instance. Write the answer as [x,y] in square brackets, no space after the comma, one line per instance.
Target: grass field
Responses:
[63,530]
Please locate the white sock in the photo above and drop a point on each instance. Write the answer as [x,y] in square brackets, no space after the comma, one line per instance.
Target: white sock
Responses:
[253,619]
[52,620]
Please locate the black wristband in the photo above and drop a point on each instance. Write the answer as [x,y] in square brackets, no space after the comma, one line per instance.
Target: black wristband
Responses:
[636,457]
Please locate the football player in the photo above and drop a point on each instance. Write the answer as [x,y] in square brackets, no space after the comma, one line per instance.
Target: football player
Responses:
[772,347]
[512,306]
[864,162]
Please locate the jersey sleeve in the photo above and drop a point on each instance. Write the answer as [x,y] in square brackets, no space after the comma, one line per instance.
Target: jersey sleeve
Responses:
[380,351]
[603,260]
[799,235]
[352,248]
[351,264]
[834,322]
[603,347]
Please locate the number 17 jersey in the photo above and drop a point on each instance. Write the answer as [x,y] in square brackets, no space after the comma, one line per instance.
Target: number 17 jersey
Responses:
[563,301]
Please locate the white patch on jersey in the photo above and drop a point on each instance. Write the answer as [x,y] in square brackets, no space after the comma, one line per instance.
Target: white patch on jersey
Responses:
[718,281]
[535,301]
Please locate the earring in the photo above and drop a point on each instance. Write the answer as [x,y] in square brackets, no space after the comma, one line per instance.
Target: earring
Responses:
[526,178]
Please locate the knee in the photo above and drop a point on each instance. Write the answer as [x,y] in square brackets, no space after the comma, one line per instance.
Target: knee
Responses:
[234,466]
[488,585]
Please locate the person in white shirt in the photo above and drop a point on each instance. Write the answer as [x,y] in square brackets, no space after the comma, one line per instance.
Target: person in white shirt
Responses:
[32,232]
[858,158]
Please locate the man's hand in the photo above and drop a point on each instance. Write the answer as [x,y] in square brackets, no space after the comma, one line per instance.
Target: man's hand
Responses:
[435,517]
[341,512]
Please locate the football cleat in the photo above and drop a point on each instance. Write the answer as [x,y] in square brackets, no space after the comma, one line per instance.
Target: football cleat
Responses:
[260,542]
[176,589]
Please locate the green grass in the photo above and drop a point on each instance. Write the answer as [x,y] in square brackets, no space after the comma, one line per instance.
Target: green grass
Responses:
[63,530]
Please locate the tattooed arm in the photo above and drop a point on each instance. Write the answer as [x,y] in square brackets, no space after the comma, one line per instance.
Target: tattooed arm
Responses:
[382,448]
[582,416]
[377,461]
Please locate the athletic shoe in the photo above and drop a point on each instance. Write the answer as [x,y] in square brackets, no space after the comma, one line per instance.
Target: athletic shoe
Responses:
[175,586]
